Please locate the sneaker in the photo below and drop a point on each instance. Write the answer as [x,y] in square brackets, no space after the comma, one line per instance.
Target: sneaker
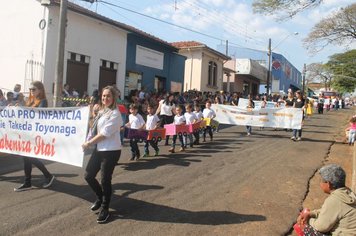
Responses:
[48,182]
[138,156]
[171,150]
[96,206]
[248,134]
[103,216]
[156,153]
[146,155]
[23,187]
[299,139]
[132,158]
[182,149]
[293,138]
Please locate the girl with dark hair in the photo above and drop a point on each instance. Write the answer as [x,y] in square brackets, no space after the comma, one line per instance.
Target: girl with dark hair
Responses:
[37,99]
[166,111]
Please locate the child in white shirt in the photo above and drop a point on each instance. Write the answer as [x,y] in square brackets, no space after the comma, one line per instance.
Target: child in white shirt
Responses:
[190,118]
[199,116]
[179,119]
[208,113]
[151,123]
[135,122]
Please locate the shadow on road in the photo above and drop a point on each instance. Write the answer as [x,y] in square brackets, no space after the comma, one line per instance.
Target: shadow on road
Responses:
[37,180]
[129,208]
[177,159]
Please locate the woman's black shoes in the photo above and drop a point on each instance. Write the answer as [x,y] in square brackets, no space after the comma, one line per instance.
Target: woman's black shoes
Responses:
[96,206]
[103,216]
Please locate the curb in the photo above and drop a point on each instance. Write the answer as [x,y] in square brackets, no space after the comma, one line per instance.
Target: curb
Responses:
[353,185]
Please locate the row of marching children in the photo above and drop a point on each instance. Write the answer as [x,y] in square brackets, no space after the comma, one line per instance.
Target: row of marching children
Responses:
[168,113]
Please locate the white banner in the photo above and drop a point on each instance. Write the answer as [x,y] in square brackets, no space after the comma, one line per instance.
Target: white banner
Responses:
[287,118]
[54,134]
[149,57]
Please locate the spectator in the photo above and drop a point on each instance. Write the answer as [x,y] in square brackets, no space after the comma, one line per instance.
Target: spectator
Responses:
[17,90]
[3,101]
[337,216]
[10,98]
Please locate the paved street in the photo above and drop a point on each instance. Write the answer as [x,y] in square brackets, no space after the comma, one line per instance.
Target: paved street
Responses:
[235,185]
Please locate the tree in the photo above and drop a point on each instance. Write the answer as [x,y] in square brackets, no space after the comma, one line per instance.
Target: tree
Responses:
[343,68]
[318,72]
[288,7]
[337,29]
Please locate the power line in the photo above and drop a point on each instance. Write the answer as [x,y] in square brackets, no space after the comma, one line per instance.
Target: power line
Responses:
[163,21]
[175,25]
[231,23]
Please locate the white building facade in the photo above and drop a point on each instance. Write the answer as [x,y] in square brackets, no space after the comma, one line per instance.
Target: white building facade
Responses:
[93,47]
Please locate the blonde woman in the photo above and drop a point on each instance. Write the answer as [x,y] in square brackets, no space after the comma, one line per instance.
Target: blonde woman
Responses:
[105,133]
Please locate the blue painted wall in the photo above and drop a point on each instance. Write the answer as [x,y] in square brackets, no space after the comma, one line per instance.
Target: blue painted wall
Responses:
[285,79]
[286,73]
[173,65]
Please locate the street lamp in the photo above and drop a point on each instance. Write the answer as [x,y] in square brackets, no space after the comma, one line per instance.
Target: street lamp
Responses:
[269,53]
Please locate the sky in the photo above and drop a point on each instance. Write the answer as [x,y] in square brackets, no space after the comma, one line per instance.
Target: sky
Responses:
[221,20]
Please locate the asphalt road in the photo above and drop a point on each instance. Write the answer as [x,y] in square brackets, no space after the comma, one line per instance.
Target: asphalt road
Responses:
[235,185]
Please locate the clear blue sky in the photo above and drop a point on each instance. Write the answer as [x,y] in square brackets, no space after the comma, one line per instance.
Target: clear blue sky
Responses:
[231,20]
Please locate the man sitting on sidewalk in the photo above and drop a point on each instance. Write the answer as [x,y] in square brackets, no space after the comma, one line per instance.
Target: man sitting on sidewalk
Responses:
[337,216]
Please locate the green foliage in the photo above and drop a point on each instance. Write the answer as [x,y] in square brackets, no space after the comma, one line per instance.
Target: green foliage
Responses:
[337,29]
[343,84]
[284,8]
[343,68]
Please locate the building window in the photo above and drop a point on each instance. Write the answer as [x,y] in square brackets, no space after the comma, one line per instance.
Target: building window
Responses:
[212,73]
[78,57]
[109,64]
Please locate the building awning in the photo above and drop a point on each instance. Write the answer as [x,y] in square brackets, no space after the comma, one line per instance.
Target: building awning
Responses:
[293,87]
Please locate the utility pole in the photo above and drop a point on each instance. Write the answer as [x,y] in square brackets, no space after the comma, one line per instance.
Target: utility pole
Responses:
[58,79]
[269,65]
[303,78]
[227,48]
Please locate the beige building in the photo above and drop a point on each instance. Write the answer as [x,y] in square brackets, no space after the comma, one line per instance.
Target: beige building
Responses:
[248,76]
[203,66]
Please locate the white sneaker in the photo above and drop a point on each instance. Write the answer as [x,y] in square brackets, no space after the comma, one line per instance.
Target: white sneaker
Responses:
[48,182]
[299,139]
[293,138]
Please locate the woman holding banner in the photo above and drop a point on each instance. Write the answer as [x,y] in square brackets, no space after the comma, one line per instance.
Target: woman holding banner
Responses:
[105,135]
[37,99]
[299,102]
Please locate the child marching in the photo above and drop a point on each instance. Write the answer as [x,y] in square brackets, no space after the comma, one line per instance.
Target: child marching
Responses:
[135,122]
[151,124]
[208,113]
[179,119]
[199,116]
[190,118]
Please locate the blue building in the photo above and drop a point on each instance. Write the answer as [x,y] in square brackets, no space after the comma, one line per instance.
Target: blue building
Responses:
[152,64]
[284,74]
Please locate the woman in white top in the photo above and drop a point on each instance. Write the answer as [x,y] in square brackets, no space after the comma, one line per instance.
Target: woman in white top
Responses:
[166,111]
[106,136]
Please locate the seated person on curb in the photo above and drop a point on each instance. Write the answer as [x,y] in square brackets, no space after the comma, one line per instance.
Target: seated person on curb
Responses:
[337,216]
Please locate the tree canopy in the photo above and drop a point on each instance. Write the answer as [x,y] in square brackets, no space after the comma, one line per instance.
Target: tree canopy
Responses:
[285,8]
[337,29]
[339,72]
[343,68]
[318,72]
